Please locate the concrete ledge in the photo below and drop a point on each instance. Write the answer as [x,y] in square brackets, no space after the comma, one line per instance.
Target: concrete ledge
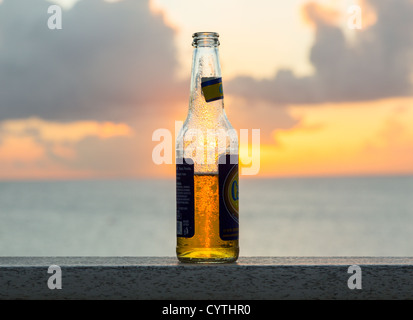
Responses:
[251,278]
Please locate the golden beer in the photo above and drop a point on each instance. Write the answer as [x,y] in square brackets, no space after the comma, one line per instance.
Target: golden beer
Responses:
[206,245]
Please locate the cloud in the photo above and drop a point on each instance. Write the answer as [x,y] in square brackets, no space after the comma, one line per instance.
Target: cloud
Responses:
[42,143]
[259,115]
[377,65]
[111,61]
[63,132]
[28,150]
[394,140]
[314,13]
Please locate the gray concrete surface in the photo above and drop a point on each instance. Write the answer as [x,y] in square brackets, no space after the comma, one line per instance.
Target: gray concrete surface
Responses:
[250,278]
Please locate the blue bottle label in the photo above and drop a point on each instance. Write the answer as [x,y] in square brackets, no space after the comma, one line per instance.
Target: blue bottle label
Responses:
[228,197]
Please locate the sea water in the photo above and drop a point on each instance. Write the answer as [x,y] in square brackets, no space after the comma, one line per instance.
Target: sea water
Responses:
[350,216]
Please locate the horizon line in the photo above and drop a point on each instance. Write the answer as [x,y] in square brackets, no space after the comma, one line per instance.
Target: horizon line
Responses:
[246,177]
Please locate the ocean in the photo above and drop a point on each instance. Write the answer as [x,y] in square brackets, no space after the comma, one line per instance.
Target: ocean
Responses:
[351,216]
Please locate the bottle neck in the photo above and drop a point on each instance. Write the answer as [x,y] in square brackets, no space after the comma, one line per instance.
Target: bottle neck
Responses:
[206,84]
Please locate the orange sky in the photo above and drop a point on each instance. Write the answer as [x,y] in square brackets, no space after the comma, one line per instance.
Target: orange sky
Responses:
[329,139]
[347,139]
[367,138]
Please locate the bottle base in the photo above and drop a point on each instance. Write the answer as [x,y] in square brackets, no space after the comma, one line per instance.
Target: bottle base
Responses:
[204,255]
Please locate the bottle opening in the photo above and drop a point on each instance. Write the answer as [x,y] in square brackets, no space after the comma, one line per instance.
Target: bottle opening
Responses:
[205,39]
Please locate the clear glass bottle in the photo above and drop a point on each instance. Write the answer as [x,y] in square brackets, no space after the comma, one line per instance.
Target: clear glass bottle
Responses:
[207,165]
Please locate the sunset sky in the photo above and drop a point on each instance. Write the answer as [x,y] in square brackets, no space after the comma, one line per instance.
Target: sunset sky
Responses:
[83,102]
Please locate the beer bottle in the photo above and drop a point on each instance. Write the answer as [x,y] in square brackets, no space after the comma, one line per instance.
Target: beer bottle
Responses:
[207,165]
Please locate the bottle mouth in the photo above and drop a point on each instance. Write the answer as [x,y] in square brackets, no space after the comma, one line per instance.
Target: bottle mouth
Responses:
[205,39]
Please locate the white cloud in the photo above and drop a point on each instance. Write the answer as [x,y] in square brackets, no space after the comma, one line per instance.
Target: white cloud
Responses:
[376,65]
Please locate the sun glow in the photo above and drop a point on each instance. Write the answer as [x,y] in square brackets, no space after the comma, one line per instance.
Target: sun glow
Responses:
[353,138]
